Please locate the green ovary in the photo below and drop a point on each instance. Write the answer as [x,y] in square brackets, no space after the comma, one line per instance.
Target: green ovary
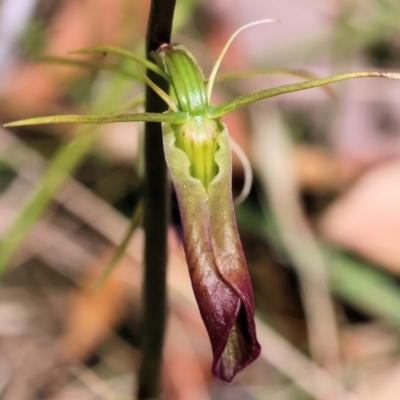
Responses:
[198,139]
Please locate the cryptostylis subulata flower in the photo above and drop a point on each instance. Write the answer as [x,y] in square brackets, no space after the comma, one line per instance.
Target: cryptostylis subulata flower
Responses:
[198,155]
[199,160]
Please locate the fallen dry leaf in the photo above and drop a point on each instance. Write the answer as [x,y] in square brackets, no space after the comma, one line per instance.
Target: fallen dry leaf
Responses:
[367,343]
[94,313]
[316,168]
[383,386]
[366,219]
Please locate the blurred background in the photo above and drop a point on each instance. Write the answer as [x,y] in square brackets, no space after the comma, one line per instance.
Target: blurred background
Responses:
[320,228]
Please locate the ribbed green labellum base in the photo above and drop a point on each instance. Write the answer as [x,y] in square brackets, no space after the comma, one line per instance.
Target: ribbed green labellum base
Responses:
[198,139]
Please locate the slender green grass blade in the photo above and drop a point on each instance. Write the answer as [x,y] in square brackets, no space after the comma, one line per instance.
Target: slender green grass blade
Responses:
[96,66]
[365,287]
[121,249]
[61,167]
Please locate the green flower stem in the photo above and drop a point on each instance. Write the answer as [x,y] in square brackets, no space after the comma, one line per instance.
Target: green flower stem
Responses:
[155,214]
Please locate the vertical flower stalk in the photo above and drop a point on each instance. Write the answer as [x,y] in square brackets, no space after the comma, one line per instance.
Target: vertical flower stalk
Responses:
[155,221]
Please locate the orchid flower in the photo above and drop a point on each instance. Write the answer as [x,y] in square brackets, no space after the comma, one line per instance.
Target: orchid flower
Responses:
[198,155]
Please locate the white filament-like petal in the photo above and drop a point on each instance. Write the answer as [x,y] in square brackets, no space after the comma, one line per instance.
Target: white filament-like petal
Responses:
[248,173]
[214,71]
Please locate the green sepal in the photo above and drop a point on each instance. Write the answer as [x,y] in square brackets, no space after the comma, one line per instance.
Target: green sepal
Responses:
[171,118]
[187,79]
[242,101]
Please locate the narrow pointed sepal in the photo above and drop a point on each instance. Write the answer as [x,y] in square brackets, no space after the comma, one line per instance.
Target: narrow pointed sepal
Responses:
[214,254]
